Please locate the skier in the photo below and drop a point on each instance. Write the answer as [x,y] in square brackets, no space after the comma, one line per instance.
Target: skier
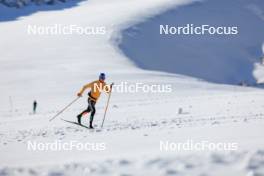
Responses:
[35,104]
[96,87]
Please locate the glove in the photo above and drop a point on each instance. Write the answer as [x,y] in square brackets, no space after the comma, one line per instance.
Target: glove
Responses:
[79,94]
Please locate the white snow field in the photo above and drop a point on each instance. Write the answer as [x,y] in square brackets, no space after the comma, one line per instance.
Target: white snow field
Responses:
[52,69]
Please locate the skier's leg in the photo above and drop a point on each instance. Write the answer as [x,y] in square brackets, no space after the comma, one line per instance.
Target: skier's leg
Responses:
[86,111]
[93,110]
[83,113]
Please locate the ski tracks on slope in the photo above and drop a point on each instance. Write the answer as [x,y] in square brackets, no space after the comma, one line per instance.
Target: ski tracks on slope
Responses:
[182,121]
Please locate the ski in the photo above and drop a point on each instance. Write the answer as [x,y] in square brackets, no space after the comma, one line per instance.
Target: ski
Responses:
[76,123]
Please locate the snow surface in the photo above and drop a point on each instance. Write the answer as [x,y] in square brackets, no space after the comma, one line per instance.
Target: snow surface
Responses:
[51,69]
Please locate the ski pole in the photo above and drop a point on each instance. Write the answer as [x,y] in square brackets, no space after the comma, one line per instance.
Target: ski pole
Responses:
[107,105]
[64,109]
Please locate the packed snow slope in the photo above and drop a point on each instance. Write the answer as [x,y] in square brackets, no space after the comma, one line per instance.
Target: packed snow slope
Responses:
[51,69]
[227,59]
[47,64]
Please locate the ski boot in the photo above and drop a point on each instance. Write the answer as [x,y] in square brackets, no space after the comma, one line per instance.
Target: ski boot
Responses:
[91,125]
[79,118]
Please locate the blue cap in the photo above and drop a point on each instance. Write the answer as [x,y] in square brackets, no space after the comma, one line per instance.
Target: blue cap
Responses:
[102,76]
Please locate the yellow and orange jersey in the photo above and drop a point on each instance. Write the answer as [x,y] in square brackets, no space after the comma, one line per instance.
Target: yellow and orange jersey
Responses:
[96,88]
